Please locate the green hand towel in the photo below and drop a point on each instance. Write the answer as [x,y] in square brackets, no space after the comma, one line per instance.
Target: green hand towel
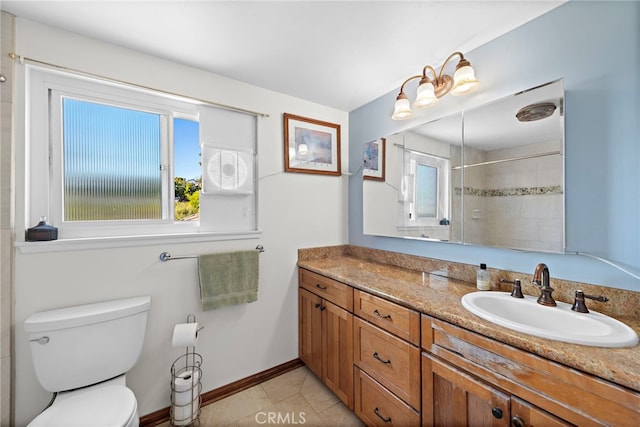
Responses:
[228,278]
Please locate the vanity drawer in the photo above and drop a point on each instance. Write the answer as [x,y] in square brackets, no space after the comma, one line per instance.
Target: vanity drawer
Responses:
[400,321]
[391,361]
[329,289]
[376,406]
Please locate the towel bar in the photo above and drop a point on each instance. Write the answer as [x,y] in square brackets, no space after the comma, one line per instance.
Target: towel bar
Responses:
[166,256]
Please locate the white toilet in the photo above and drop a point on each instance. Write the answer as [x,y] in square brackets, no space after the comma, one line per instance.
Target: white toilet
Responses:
[82,353]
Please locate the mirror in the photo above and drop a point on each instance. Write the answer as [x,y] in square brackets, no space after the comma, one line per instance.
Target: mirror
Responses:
[481,176]
[415,200]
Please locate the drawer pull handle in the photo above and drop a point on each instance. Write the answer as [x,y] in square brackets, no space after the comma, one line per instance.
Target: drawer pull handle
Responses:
[377,313]
[386,362]
[517,421]
[319,286]
[497,412]
[320,307]
[377,412]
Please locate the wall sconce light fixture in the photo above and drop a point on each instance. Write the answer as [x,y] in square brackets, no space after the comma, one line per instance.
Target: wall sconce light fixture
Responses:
[431,89]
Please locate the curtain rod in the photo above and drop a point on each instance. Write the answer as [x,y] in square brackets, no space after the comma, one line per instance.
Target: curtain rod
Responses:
[21,59]
[492,162]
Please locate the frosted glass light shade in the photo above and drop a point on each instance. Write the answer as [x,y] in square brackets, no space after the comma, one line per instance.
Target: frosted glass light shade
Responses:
[402,108]
[464,81]
[426,96]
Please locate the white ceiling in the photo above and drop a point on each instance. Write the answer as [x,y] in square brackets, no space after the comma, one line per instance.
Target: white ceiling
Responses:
[338,54]
[494,126]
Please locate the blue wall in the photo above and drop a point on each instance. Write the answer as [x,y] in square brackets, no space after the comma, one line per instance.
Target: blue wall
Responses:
[595,47]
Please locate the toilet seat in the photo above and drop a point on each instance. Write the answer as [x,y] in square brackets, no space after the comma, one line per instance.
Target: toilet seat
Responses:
[113,406]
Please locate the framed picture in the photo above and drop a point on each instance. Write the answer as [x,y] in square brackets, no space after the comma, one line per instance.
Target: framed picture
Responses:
[374,159]
[311,146]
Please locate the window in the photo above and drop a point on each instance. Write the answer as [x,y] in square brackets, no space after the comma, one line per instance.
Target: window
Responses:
[107,159]
[425,189]
[187,169]
[111,158]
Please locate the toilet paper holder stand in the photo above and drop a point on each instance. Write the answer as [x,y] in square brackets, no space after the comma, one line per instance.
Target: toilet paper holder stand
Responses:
[186,386]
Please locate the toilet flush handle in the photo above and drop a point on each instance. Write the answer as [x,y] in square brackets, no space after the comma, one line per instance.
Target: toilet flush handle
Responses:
[42,340]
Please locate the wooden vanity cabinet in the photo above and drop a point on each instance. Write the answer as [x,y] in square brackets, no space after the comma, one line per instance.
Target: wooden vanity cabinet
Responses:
[394,366]
[469,379]
[325,331]
[387,358]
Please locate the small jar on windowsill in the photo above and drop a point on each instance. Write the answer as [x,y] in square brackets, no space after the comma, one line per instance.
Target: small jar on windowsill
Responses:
[42,232]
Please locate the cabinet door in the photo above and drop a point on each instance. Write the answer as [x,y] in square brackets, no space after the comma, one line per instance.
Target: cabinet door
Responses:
[524,414]
[337,356]
[453,398]
[310,330]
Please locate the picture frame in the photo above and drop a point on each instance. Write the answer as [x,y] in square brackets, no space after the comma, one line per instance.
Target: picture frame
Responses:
[311,146]
[374,160]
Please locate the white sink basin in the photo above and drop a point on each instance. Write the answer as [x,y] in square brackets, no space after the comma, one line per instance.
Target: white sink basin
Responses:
[555,323]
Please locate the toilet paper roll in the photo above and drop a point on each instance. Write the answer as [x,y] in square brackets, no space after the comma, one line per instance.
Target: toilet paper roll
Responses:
[183,384]
[186,397]
[185,335]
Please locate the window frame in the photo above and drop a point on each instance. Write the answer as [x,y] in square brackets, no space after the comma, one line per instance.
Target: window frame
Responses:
[45,88]
[442,165]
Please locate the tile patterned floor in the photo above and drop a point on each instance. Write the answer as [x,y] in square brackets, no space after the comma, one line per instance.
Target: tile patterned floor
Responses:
[295,398]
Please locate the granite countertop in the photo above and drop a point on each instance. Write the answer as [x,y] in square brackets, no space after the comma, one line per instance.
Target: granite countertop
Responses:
[440,296]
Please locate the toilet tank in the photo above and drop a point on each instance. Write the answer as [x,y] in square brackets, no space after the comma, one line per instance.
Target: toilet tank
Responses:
[82,345]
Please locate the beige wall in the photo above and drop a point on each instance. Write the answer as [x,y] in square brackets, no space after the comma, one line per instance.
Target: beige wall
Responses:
[6,217]
[294,210]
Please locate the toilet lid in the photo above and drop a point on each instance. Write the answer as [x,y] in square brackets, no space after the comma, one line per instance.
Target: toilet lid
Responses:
[105,406]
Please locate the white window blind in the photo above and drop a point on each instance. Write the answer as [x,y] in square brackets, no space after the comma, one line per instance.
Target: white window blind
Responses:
[228,170]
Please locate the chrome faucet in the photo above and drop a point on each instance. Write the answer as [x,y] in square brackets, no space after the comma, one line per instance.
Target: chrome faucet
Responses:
[541,280]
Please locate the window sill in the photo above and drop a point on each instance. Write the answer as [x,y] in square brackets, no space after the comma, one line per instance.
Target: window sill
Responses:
[129,241]
[422,227]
